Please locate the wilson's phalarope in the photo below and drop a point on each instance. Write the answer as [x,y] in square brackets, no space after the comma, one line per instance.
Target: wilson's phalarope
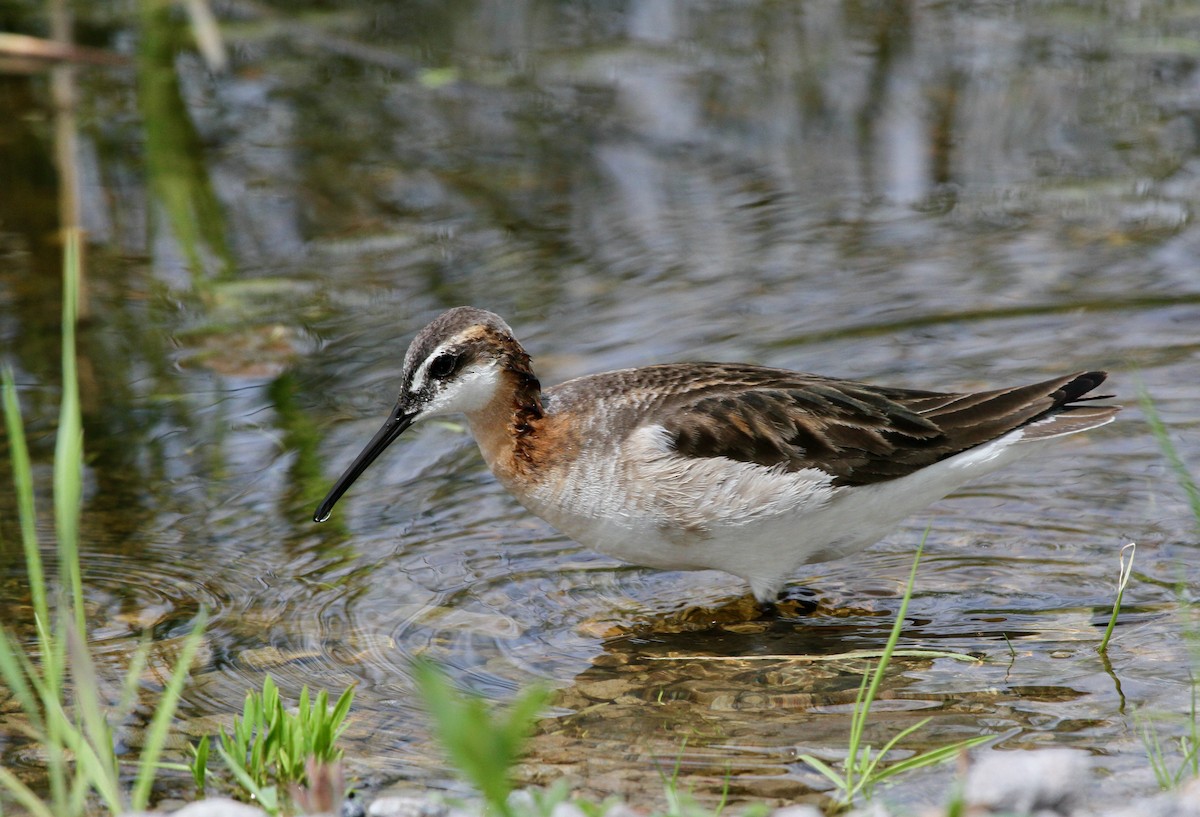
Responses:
[745,469]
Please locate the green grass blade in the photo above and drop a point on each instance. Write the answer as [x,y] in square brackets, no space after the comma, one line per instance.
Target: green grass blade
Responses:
[199,765]
[97,735]
[522,715]
[67,789]
[133,678]
[23,483]
[304,706]
[1159,429]
[53,657]
[1192,754]
[341,710]
[68,450]
[270,696]
[156,734]
[172,766]
[825,769]
[1188,763]
[96,771]
[902,734]
[1158,761]
[90,769]
[477,746]
[858,720]
[244,778]
[13,669]
[868,771]
[934,756]
[894,636]
[862,705]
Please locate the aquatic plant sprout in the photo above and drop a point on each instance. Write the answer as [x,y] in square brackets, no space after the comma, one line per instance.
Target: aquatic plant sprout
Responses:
[1122,581]
[270,749]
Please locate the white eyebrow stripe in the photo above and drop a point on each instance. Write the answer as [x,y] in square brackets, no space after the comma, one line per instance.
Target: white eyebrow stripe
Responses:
[422,373]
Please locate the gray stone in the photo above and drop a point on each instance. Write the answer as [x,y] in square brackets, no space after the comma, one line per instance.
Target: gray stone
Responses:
[407,806]
[521,802]
[567,810]
[1045,780]
[219,807]
[796,811]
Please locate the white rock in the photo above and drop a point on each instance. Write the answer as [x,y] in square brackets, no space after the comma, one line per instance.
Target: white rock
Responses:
[521,801]
[797,811]
[567,810]
[407,806]
[1020,782]
[219,807]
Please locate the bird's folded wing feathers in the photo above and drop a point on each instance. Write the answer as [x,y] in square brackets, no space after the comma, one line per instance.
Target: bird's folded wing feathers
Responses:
[862,434]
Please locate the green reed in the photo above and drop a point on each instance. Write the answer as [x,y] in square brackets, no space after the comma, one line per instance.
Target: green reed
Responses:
[55,680]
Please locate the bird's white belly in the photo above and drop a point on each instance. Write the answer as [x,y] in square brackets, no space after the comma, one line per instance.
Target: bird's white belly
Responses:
[651,507]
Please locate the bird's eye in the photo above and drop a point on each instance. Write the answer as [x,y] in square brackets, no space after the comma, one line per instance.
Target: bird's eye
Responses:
[443,366]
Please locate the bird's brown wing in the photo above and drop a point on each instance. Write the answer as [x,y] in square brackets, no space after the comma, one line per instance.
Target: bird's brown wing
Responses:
[855,432]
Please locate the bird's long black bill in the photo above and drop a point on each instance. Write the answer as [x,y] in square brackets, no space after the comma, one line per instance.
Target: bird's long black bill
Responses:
[393,428]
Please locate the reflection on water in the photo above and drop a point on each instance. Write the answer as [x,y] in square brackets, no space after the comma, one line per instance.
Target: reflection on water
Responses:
[931,196]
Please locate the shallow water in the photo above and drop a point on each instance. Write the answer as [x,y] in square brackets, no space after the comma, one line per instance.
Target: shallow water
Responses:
[934,196]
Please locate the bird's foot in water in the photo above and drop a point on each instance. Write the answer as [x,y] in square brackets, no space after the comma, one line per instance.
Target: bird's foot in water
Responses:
[743,613]
[791,603]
